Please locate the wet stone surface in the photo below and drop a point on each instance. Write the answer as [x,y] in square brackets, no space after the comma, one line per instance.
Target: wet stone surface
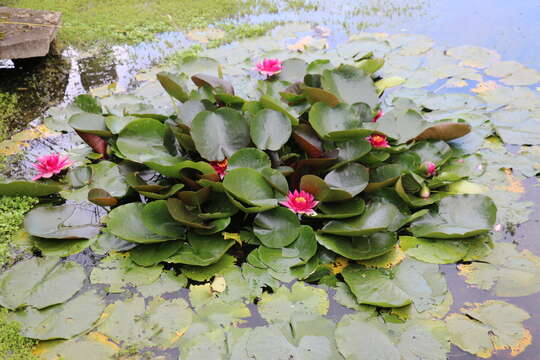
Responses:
[26,33]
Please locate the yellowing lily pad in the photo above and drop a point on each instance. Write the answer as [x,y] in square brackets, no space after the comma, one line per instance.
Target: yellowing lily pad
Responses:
[483,329]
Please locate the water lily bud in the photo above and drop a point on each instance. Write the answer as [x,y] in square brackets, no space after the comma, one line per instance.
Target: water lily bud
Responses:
[424,192]
[428,168]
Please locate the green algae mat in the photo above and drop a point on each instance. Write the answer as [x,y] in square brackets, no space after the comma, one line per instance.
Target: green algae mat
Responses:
[259,202]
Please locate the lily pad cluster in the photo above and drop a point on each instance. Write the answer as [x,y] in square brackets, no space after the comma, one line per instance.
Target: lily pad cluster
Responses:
[212,177]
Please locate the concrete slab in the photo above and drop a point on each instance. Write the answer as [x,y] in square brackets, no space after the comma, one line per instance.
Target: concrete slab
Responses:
[26,33]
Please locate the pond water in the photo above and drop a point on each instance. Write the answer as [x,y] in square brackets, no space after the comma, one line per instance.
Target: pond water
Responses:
[510,28]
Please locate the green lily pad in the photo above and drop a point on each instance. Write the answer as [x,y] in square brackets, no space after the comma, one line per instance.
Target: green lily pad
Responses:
[415,339]
[249,186]
[106,242]
[293,70]
[62,321]
[359,247]
[61,222]
[159,323]
[217,135]
[345,119]
[269,102]
[483,329]
[152,254]
[174,84]
[126,222]
[281,305]
[203,273]
[168,282]
[458,216]
[277,227]
[350,84]
[249,158]
[308,337]
[91,346]
[505,271]
[398,286]
[437,152]
[61,247]
[351,178]
[118,271]
[270,130]
[378,216]
[201,250]
[341,210]
[142,141]
[40,282]
[29,188]
[156,218]
[90,124]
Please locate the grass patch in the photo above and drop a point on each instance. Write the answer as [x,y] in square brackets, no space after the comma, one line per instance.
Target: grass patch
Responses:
[13,346]
[234,32]
[12,210]
[90,22]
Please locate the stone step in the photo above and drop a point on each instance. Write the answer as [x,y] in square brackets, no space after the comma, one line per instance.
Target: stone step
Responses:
[26,33]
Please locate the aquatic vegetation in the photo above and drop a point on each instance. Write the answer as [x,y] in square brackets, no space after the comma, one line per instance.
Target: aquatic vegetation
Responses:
[13,346]
[12,210]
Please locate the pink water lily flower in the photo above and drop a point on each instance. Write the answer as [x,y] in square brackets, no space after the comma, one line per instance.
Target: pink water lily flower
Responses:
[220,167]
[377,116]
[378,141]
[429,168]
[269,67]
[50,165]
[300,202]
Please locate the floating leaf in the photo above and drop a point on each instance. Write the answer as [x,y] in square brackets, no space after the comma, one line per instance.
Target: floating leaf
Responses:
[62,321]
[159,323]
[398,286]
[306,337]
[359,247]
[40,282]
[459,216]
[156,218]
[439,251]
[343,119]
[270,130]
[415,339]
[61,222]
[126,222]
[281,305]
[277,227]
[506,271]
[351,85]
[174,85]
[152,254]
[341,210]
[483,329]
[249,158]
[118,271]
[29,188]
[217,135]
[94,346]
[378,216]
[201,250]
[250,186]
[89,124]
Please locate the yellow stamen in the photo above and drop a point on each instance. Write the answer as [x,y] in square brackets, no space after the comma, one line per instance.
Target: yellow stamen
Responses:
[301,199]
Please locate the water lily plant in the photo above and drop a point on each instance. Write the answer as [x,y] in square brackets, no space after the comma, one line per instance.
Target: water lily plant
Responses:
[50,165]
[269,67]
[252,161]
[300,202]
